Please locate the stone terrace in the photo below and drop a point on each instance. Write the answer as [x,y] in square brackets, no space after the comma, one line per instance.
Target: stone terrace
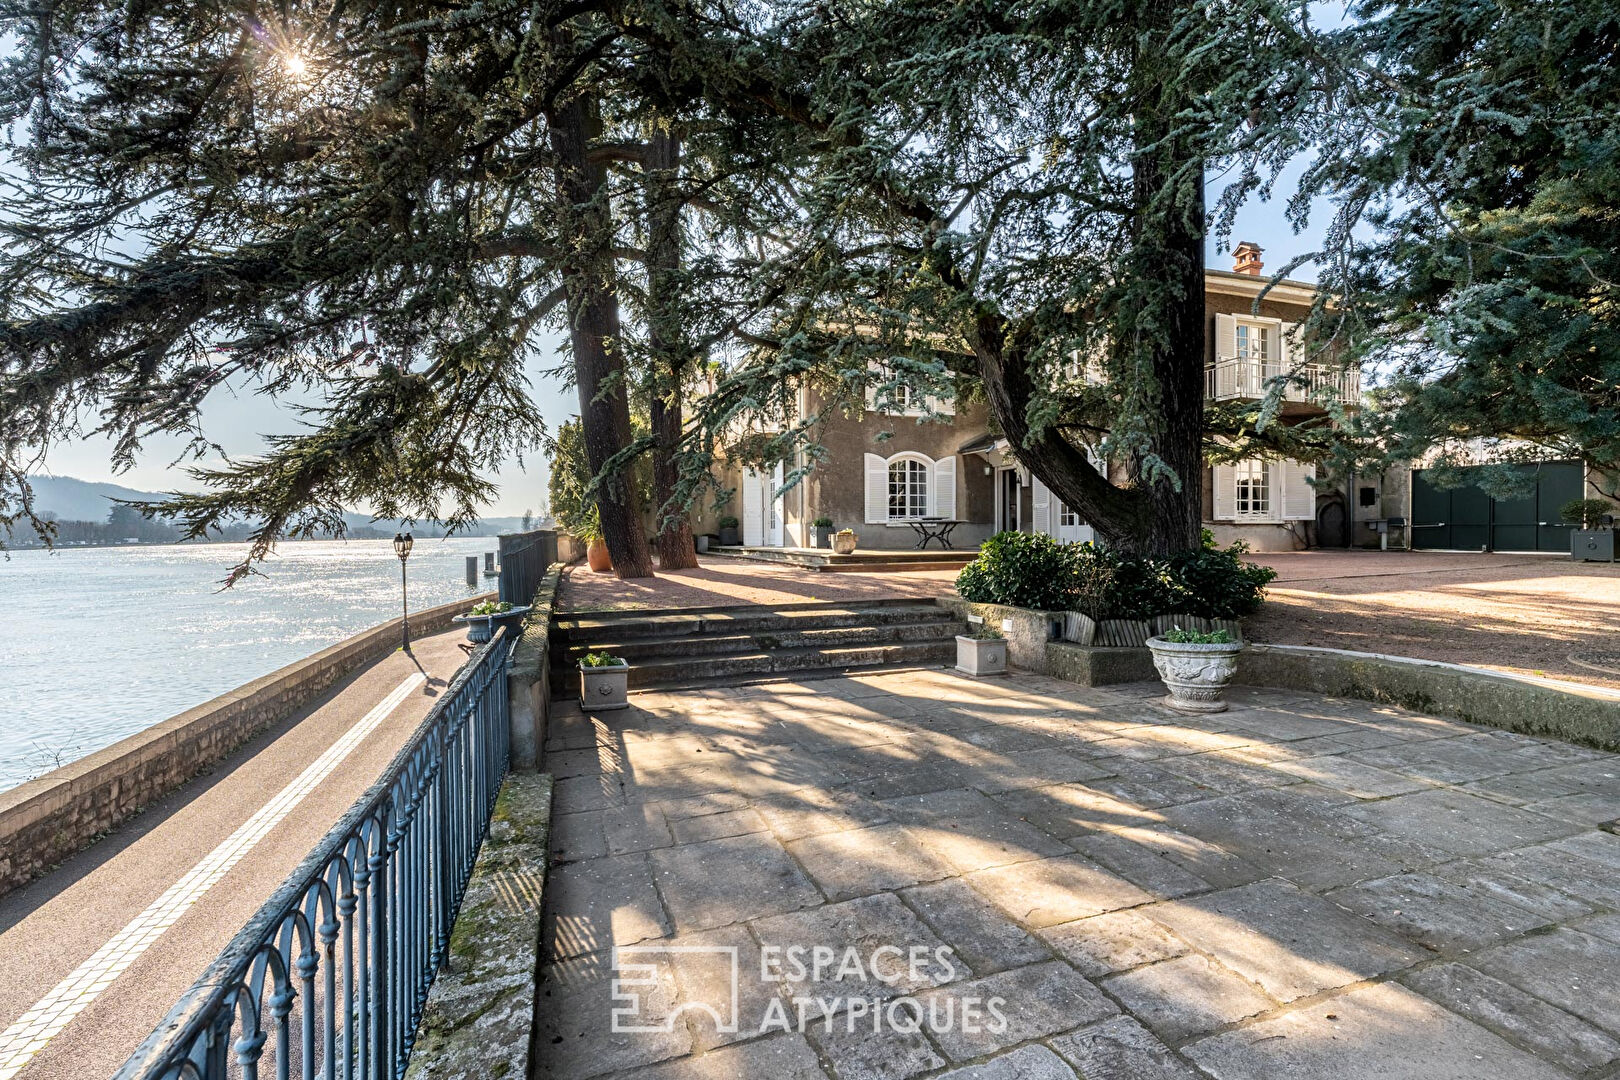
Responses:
[722,581]
[1300,887]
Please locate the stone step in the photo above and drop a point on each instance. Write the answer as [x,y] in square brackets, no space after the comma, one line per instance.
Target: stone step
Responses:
[631,626]
[751,667]
[641,649]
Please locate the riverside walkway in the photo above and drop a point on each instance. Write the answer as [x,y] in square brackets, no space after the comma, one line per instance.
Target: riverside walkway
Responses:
[93,954]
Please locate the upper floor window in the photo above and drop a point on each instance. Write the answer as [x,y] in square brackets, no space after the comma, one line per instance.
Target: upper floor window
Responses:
[1253,342]
[908,489]
[1253,491]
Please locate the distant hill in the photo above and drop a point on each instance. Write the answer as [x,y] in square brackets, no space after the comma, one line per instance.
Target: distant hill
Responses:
[80,500]
[71,499]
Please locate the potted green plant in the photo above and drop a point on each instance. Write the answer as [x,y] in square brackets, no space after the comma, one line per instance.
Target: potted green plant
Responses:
[604,682]
[981,652]
[483,619]
[728,531]
[1592,539]
[843,542]
[1195,667]
[822,527]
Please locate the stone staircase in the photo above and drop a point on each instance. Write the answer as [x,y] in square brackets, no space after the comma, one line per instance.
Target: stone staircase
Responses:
[697,647]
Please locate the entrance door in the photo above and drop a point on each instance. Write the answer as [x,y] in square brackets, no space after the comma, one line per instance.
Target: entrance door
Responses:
[1467,519]
[1007,500]
[762,513]
[1070,529]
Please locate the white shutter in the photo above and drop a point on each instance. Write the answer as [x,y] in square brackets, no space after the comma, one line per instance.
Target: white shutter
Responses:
[1298,497]
[942,497]
[753,514]
[1041,506]
[942,404]
[1098,462]
[1225,486]
[877,490]
[1225,337]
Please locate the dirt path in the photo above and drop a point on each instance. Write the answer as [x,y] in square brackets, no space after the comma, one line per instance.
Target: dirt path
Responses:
[1534,614]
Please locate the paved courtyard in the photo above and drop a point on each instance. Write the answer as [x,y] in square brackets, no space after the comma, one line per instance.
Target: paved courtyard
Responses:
[1024,879]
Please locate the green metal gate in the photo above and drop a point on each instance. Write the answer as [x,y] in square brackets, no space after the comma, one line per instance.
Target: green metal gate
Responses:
[1466,519]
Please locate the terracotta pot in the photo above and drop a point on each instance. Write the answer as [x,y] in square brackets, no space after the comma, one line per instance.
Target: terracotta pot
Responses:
[597,555]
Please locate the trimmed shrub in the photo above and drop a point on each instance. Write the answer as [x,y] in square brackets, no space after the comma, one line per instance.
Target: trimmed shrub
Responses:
[1140,589]
[1216,584]
[1027,570]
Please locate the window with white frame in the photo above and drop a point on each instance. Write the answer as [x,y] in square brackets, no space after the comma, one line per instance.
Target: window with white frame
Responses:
[1252,495]
[908,489]
[1253,341]
[1067,518]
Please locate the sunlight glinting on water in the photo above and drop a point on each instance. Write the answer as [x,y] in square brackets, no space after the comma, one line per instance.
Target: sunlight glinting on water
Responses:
[99,643]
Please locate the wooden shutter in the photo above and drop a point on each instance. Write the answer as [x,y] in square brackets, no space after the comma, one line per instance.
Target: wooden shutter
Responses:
[1298,497]
[877,490]
[942,495]
[1224,484]
[753,515]
[1225,337]
[1040,506]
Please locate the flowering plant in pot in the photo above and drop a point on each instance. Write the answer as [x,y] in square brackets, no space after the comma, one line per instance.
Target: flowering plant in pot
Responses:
[728,531]
[1195,667]
[604,682]
[983,651]
[484,618]
[822,528]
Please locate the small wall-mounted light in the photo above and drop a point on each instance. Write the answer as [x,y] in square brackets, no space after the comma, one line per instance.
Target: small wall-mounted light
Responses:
[988,470]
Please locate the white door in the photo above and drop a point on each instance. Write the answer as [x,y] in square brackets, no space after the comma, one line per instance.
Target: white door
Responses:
[773,508]
[762,514]
[1069,529]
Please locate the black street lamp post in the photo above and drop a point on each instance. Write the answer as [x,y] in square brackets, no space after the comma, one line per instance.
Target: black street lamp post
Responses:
[402,548]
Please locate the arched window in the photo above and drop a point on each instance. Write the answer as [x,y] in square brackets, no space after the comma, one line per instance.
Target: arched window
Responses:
[908,488]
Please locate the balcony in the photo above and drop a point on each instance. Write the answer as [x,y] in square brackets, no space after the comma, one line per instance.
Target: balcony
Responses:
[1246,378]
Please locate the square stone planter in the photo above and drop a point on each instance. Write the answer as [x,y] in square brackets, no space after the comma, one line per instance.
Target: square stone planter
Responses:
[602,689]
[981,656]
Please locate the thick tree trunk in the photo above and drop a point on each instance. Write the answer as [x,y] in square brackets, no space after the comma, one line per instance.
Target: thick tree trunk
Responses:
[1155,515]
[593,308]
[671,355]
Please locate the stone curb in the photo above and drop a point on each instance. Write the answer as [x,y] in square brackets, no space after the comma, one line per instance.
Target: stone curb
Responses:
[479,1016]
[1576,712]
[45,820]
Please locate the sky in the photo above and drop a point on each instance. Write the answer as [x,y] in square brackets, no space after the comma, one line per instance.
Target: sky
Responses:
[239,421]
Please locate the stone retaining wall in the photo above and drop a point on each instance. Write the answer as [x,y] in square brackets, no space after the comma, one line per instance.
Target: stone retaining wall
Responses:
[1027,631]
[529,676]
[1562,710]
[45,820]
[479,1017]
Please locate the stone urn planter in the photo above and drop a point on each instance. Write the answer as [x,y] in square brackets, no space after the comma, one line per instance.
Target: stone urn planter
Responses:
[604,687]
[981,656]
[1195,674]
[843,542]
[481,628]
[596,554]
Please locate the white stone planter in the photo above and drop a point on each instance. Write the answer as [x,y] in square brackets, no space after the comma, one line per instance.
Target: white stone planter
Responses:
[602,689]
[981,656]
[1195,675]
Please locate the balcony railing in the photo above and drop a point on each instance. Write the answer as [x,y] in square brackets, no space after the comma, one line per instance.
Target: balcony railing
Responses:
[1243,377]
[328,978]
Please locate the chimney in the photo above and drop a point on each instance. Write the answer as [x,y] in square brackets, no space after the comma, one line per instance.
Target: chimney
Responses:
[1246,258]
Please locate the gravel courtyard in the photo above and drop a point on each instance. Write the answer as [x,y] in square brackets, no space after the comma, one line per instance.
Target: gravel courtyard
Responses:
[1531,614]
[1298,888]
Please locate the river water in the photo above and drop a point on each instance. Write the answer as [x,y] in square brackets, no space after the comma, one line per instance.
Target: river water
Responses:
[98,643]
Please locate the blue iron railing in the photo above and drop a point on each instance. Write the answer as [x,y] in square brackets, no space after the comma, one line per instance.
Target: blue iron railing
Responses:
[329,977]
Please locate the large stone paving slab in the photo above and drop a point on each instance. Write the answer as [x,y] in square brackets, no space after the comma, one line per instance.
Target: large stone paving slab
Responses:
[1300,888]
[1375,1033]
